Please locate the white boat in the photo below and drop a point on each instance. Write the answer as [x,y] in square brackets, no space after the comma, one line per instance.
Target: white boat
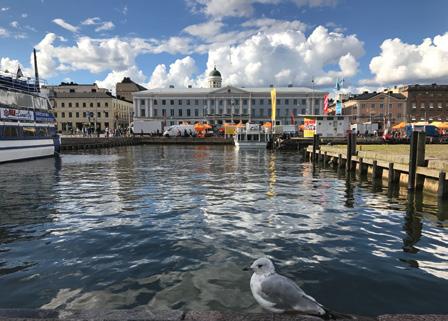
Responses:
[252,136]
[27,124]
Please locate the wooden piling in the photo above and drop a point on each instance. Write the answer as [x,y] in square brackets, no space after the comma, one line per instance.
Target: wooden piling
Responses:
[442,191]
[377,171]
[315,147]
[412,160]
[340,161]
[349,153]
[391,177]
[420,159]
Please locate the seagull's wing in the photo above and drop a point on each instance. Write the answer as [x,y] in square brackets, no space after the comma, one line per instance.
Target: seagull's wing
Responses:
[288,296]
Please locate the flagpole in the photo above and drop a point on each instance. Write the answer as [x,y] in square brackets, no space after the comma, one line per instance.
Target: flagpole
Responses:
[312,101]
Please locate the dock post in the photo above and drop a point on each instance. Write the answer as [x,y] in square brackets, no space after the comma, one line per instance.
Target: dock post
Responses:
[377,172]
[325,159]
[391,177]
[442,192]
[353,143]
[349,153]
[315,146]
[420,160]
[412,160]
[340,161]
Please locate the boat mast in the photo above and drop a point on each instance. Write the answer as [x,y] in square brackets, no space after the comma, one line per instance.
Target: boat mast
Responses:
[36,72]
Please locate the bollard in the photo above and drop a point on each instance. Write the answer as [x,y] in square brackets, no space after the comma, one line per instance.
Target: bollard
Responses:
[377,172]
[420,159]
[442,191]
[412,160]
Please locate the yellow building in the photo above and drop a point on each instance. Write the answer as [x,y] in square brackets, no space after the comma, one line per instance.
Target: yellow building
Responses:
[78,107]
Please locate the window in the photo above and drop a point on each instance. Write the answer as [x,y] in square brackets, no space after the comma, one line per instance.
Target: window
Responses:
[372,106]
[106,104]
[155,101]
[205,102]
[98,114]
[142,102]
[69,104]
[188,101]
[164,103]
[62,104]
[261,101]
[244,111]
[106,114]
[303,111]
[84,114]
[196,102]
[269,102]
[154,112]
[180,101]
[316,111]
[77,114]
[414,105]
[180,112]
[91,104]
[252,111]
[10,131]
[196,112]
[286,101]
[164,112]
[142,112]
[188,113]
[244,102]
[431,105]
[98,104]
[70,115]
[317,101]
[172,102]
[55,115]
[303,101]
[172,112]
[422,105]
[84,104]
[286,111]
[278,101]
[76,104]
[295,102]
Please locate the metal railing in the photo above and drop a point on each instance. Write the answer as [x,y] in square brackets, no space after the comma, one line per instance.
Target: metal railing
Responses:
[27,84]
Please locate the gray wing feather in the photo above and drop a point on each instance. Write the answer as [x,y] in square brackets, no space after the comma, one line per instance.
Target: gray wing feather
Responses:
[288,296]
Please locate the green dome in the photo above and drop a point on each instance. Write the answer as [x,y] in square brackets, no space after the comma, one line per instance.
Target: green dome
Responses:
[215,73]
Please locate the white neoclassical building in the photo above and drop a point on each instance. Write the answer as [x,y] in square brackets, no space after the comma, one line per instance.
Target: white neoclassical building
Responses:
[218,105]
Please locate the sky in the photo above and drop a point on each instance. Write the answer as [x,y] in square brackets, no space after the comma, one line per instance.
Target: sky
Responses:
[253,43]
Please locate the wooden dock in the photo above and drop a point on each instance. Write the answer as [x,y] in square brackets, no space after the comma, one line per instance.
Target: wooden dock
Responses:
[417,170]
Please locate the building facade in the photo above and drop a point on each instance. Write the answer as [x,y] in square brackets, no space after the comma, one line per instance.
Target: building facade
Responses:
[126,88]
[81,106]
[384,108]
[425,102]
[218,105]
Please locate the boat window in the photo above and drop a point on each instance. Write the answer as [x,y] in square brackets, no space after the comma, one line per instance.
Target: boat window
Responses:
[29,131]
[10,131]
[42,132]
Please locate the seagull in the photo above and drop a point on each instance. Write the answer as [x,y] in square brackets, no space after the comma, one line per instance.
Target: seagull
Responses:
[279,294]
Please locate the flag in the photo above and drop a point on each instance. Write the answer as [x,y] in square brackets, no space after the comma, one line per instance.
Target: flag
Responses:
[19,73]
[326,104]
[293,120]
[274,104]
[339,83]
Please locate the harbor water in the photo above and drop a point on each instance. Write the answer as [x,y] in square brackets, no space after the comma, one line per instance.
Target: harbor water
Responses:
[170,227]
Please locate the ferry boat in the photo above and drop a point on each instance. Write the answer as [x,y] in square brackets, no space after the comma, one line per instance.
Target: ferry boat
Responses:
[27,124]
[252,136]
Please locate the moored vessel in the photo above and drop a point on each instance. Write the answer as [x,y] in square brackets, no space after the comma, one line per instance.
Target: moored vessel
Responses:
[27,123]
[252,136]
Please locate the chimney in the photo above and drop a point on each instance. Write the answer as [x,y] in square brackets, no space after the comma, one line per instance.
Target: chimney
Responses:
[171,86]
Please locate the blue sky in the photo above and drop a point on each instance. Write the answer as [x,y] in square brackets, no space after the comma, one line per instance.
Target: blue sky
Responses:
[371,44]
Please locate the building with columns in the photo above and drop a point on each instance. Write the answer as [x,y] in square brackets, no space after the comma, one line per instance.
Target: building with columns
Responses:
[218,105]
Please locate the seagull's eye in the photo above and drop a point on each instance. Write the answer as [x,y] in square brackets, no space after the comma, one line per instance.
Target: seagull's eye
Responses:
[260,266]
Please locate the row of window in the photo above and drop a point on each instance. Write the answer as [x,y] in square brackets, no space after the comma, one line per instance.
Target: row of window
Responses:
[400,105]
[26,131]
[235,102]
[84,104]
[84,114]
[430,105]
[255,112]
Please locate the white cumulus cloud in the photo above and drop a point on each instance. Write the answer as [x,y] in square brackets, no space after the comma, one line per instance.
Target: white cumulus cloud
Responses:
[180,74]
[205,30]
[4,33]
[116,76]
[400,62]
[61,23]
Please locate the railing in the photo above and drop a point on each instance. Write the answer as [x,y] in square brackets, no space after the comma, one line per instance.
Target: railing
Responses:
[11,81]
